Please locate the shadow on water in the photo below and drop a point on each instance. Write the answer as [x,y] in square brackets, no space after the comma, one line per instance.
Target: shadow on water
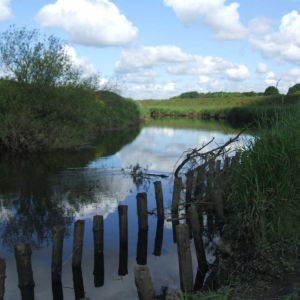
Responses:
[32,201]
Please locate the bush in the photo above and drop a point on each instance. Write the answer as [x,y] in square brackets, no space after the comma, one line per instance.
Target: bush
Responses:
[47,103]
[271,90]
[294,89]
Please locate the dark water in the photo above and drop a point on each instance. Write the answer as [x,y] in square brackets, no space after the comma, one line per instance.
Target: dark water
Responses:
[43,190]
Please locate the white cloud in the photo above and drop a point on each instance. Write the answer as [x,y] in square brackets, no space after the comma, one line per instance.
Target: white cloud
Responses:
[82,63]
[284,44]
[178,62]
[260,25]
[5,10]
[89,22]
[271,79]
[261,68]
[239,72]
[223,19]
[136,58]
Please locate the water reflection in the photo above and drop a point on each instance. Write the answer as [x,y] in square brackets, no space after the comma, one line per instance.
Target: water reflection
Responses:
[39,191]
[43,190]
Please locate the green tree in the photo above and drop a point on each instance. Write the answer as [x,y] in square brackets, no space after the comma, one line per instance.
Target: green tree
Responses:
[27,57]
[271,90]
[295,89]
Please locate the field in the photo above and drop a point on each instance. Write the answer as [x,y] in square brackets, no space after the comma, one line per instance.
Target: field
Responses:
[236,109]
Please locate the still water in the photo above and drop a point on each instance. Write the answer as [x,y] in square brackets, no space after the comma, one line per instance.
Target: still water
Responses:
[40,191]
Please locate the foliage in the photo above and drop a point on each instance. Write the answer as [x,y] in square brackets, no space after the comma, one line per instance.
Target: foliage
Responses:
[48,103]
[271,90]
[265,200]
[294,89]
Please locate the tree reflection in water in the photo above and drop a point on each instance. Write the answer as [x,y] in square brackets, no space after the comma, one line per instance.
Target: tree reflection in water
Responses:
[34,196]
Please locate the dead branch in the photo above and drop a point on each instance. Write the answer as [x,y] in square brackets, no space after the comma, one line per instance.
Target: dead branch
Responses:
[208,155]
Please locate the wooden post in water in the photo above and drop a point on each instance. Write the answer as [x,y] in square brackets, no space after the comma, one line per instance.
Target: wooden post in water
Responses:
[159,237]
[142,244]
[176,194]
[2,278]
[56,266]
[189,187]
[175,204]
[78,243]
[24,268]
[142,210]
[159,200]
[144,283]
[184,258]
[98,233]
[142,247]
[199,246]
[123,229]
[78,283]
[200,183]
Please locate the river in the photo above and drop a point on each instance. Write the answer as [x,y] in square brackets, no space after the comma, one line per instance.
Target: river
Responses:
[40,191]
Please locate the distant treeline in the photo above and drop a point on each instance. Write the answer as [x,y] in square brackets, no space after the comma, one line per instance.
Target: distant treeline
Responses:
[195,94]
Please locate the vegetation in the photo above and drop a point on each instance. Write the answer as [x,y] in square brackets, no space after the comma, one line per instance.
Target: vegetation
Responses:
[237,110]
[46,102]
[271,90]
[294,89]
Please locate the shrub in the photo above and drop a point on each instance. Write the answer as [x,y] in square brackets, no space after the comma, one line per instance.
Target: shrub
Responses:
[271,90]
[294,89]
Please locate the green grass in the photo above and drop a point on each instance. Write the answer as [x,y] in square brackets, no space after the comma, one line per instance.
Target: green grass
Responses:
[237,109]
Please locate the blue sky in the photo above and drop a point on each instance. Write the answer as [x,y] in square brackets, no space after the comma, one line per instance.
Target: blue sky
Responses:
[160,48]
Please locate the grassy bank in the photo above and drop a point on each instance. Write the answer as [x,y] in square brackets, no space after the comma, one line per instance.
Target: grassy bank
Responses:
[263,215]
[38,117]
[237,109]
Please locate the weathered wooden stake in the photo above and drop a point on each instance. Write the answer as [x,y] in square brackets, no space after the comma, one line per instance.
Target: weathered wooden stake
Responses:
[159,237]
[184,258]
[142,247]
[98,233]
[2,278]
[144,283]
[78,283]
[78,243]
[197,233]
[57,253]
[189,186]
[24,268]
[176,194]
[142,210]
[123,229]
[200,183]
[159,200]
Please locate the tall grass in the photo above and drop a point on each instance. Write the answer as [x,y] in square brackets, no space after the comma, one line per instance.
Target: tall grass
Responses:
[265,201]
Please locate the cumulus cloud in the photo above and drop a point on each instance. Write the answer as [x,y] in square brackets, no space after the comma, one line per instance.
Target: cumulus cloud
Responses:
[82,63]
[284,44]
[89,22]
[261,68]
[239,72]
[5,10]
[178,62]
[260,25]
[223,19]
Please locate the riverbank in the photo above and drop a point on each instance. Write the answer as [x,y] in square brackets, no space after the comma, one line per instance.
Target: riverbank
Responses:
[238,109]
[42,118]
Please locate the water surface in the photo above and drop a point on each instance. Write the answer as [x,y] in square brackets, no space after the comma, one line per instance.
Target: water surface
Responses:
[40,191]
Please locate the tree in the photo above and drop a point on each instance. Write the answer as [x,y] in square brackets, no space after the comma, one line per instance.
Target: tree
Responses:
[271,90]
[27,57]
[295,89]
